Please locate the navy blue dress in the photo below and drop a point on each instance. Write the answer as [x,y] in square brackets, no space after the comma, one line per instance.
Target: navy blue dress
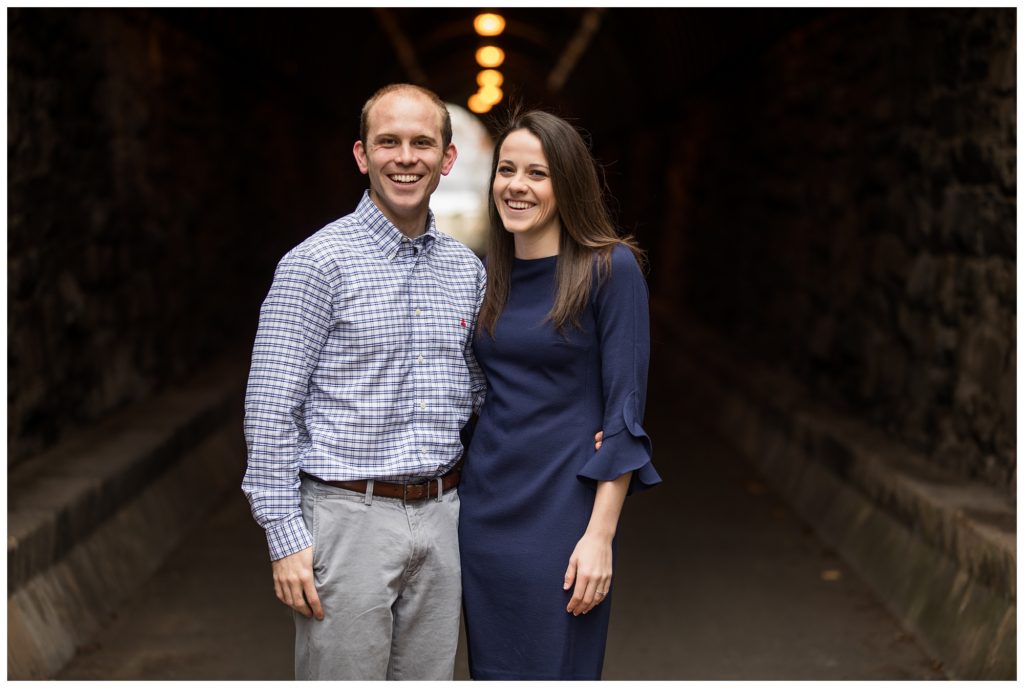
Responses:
[527,487]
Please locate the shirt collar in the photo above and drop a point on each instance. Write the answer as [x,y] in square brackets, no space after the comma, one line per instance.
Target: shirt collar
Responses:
[384,234]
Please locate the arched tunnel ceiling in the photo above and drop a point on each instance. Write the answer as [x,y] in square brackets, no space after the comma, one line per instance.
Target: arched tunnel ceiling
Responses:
[636,62]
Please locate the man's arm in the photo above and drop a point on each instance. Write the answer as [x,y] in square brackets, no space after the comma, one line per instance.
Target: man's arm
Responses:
[476,375]
[294,322]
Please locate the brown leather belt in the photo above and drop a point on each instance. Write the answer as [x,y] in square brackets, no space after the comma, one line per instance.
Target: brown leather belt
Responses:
[406,492]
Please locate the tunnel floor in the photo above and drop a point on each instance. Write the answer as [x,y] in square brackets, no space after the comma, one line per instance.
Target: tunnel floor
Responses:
[716,579]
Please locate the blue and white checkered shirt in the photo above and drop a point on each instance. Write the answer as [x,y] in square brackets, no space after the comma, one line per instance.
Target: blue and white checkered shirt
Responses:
[363,365]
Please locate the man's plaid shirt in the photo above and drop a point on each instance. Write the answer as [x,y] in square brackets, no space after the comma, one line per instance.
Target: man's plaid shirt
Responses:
[362,367]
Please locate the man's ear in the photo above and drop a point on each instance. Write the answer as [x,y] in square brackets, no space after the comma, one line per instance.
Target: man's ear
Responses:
[359,152]
[449,159]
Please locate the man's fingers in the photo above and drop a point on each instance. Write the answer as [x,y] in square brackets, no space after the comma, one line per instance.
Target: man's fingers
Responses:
[313,600]
[302,586]
[299,600]
[293,583]
[284,592]
[290,592]
[279,592]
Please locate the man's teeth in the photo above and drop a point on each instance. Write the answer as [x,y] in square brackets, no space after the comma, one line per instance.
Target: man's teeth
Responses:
[405,178]
[519,205]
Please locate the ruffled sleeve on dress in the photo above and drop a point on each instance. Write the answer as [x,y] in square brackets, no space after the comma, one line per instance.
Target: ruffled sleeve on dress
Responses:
[623,332]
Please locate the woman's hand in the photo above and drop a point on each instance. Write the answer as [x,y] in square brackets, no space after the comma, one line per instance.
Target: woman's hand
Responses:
[590,568]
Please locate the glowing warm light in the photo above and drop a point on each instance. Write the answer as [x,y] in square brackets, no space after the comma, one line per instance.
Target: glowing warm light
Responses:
[490,77]
[489,24]
[478,104]
[491,95]
[490,56]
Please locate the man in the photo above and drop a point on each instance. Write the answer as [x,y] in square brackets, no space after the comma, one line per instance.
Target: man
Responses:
[362,378]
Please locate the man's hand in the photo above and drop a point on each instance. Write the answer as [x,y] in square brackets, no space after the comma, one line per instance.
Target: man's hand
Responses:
[293,583]
[597,439]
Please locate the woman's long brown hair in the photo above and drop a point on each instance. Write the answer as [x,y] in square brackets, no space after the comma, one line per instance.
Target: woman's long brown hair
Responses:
[587,228]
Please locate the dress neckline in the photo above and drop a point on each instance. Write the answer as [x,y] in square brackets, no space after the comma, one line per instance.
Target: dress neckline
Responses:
[535,260]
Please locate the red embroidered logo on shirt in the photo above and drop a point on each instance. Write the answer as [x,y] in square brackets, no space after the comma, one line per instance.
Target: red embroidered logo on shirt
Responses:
[462,321]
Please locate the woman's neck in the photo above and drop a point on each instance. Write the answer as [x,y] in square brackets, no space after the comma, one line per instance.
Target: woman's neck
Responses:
[531,247]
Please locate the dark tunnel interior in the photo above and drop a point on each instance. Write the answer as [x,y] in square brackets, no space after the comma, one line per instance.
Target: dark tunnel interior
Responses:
[827,199]
[832,191]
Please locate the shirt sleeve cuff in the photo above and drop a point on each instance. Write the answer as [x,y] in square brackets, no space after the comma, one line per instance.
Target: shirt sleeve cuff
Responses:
[288,537]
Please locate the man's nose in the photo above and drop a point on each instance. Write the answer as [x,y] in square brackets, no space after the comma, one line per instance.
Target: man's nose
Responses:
[406,154]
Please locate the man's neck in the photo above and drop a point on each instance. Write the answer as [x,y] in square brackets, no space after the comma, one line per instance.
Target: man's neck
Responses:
[407,229]
[410,226]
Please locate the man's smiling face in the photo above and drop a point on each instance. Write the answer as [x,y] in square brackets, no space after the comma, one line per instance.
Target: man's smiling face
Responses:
[403,156]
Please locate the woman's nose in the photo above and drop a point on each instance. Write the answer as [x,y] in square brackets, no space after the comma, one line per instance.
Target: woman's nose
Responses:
[516,185]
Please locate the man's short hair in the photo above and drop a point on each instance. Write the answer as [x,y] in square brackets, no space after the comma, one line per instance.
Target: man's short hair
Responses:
[446,118]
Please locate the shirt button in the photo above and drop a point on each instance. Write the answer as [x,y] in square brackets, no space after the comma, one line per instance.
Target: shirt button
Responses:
[423,452]
[419,359]
[418,311]
[423,406]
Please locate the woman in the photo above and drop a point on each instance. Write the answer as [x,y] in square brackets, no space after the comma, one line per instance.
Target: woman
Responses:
[563,339]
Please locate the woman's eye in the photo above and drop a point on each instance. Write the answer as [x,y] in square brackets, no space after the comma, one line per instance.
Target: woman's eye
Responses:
[538,174]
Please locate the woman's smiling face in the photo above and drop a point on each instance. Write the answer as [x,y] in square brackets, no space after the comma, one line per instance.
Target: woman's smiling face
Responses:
[522,190]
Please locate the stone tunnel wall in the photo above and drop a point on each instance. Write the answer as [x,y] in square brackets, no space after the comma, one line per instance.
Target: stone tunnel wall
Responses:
[152,183]
[844,207]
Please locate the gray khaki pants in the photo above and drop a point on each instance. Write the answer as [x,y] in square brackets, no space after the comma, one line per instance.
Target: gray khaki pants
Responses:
[388,578]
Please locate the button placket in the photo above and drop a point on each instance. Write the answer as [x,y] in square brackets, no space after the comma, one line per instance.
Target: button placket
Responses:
[416,343]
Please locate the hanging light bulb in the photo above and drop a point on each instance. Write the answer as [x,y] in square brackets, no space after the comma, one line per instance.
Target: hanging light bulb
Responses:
[490,56]
[489,24]
[477,104]
[490,77]
[491,95]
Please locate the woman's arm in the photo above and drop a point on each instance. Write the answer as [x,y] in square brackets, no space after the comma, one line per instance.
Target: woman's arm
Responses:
[623,459]
[590,565]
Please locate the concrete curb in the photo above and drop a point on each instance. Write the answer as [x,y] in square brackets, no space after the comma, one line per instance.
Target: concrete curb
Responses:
[940,553]
[93,518]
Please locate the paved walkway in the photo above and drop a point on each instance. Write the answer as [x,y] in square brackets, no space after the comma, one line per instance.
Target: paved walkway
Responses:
[716,579]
